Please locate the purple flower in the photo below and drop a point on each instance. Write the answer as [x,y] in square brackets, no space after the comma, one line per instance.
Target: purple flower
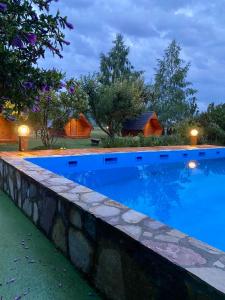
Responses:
[49,98]
[17,42]
[71,89]
[3,7]
[11,118]
[69,25]
[27,85]
[32,38]
[37,99]
[36,108]
[45,88]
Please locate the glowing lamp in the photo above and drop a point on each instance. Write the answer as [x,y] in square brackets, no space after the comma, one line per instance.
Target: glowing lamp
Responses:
[192,164]
[23,133]
[23,130]
[194,132]
[194,137]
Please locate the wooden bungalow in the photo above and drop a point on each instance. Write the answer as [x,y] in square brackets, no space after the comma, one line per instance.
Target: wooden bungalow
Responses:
[7,131]
[147,124]
[78,128]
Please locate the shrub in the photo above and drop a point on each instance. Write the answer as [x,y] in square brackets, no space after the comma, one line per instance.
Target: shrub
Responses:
[182,130]
[215,134]
[118,142]
[165,140]
[141,141]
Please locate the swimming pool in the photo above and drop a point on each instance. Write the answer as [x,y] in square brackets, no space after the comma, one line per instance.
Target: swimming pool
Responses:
[183,189]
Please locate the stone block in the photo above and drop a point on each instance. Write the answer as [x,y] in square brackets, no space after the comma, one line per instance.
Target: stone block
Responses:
[75,218]
[109,276]
[59,235]
[80,249]
[35,213]
[47,208]
[27,207]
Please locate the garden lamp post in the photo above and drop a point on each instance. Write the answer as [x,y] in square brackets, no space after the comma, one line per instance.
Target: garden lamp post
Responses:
[23,133]
[194,137]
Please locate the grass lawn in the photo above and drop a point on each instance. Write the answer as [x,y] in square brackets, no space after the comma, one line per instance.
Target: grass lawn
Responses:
[61,142]
[30,265]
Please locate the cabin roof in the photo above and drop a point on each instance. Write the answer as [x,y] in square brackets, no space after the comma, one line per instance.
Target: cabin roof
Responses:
[139,122]
[81,117]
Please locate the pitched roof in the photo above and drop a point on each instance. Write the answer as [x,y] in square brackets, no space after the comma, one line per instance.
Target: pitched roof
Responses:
[85,120]
[139,122]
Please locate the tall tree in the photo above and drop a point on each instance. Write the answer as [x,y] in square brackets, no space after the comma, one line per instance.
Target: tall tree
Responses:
[116,65]
[172,95]
[117,92]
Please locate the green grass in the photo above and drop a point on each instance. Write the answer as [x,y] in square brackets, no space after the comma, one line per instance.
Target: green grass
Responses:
[61,142]
[40,270]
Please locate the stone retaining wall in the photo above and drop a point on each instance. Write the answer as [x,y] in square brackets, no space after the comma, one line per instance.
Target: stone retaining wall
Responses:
[124,254]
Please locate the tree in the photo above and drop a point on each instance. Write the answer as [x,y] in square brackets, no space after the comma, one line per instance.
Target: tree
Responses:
[213,122]
[216,114]
[171,95]
[116,65]
[52,109]
[117,92]
[111,105]
[27,30]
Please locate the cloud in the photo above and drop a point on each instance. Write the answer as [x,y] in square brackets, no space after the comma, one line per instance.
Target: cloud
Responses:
[185,11]
[148,26]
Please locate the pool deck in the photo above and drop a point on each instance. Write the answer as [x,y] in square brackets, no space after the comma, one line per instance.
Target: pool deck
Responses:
[98,150]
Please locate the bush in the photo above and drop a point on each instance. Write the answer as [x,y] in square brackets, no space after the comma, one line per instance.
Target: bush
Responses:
[183,129]
[118,142]
[215,134]
[141,141]
[165,140]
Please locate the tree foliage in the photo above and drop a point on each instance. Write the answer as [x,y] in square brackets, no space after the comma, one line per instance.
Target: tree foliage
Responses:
[172,95]
[27,30]
[53,109]
[116,65]
[213,122]
[111,105]
[117,92]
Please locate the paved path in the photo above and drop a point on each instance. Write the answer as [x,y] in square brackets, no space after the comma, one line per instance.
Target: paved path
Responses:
[97,150]
[30,266]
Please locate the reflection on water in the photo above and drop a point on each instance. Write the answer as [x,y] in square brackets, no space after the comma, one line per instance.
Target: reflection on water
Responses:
[189,195]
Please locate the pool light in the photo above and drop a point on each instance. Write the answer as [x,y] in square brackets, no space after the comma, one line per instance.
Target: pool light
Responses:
[192,164]
[194,137]
[23,133]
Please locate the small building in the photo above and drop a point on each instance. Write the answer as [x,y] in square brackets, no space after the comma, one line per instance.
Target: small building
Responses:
[78,128]
[147,124]
[7,131]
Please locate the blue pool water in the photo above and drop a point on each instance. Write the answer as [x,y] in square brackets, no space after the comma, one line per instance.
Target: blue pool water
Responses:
[185,190]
